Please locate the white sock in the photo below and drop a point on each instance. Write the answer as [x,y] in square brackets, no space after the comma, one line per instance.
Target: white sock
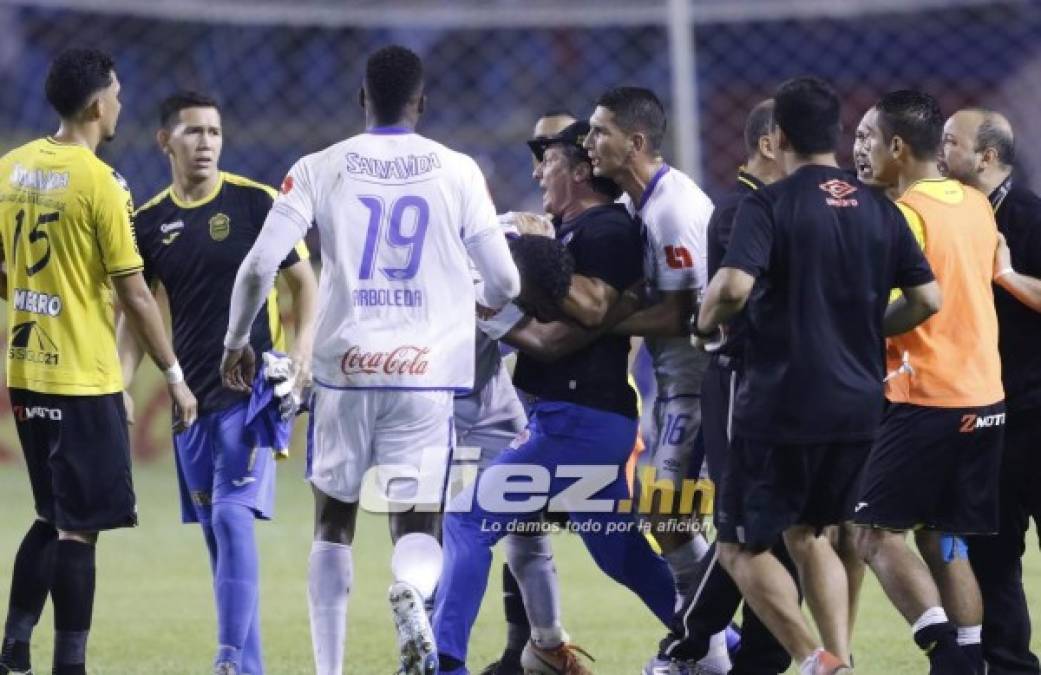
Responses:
[683,562]
[717,657]
[806,667]
[700,546]
[417,561]
[929,617]
[969,635]
[548,638]
[329,576]
[531,561]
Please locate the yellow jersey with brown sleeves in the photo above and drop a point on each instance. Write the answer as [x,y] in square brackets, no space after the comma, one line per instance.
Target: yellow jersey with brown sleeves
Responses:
[65,228]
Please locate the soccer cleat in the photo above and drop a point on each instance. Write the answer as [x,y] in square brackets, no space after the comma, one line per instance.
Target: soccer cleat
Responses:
[826,663]
[562,660]
[659,666]
[415,636]
[225,668]
[509,664]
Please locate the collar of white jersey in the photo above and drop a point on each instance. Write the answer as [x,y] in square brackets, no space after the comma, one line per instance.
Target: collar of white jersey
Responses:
[649,190]
[389,131]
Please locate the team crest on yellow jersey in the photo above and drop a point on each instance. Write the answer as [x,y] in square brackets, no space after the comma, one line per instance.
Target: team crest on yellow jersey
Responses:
[220,227]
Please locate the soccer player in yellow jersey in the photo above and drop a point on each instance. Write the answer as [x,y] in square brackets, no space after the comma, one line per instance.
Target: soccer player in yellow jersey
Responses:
[67,244]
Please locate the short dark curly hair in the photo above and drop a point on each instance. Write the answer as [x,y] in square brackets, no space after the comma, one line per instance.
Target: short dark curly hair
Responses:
[75,76]
[545,267]
[393,76]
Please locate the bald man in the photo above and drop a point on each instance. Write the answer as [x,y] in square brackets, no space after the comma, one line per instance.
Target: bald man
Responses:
[979,150]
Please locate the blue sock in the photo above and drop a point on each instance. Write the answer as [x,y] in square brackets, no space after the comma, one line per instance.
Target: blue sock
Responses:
[252,655]
[211,542]
[236,580]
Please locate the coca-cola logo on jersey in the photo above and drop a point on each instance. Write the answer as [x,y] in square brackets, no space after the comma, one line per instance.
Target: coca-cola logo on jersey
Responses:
[403,360]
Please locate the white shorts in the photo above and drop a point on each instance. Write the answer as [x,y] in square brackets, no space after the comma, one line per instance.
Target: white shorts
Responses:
[489,418]
[396,442]
[677,420]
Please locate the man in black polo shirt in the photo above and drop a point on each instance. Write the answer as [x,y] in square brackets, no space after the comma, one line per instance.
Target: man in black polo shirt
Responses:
[814,256]
[978,148]
[712,608]
[583,417]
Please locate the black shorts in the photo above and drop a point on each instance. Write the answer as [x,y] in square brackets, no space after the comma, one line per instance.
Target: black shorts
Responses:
[768,488]
[717,403]
[937,468]
[77,450]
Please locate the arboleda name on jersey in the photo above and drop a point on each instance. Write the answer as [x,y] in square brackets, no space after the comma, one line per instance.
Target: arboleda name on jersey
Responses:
[387,297]
[396,168]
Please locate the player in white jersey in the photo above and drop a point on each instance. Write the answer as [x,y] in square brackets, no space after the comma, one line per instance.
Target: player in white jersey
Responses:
[627,129]
[400,218]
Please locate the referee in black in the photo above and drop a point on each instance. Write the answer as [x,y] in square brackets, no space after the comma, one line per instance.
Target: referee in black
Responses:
[979,150]
[710,609]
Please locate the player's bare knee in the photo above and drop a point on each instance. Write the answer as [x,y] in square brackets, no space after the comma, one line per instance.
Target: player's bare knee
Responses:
[408,522]
[802,542]
[869,541]
[334,520]
[729,555]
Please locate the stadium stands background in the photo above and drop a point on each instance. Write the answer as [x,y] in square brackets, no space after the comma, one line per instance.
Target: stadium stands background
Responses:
[287,74]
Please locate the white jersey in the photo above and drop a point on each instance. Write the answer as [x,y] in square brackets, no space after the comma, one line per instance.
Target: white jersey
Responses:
[674,215]
[396,213]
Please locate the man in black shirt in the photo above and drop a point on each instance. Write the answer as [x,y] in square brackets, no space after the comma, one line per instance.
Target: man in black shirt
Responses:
[193,236]
[710,610]
[814,256]
[582,419]
[979,150]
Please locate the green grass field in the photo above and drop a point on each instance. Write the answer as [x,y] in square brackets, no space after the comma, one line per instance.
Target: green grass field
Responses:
[154,614]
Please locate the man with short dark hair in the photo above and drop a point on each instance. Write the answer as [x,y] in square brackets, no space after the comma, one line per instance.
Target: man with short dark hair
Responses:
[192,237]
[814,256]
[401,217]
[583,410]
[934,466]
[66,241]
[713,607]
[979,150]
[627,130]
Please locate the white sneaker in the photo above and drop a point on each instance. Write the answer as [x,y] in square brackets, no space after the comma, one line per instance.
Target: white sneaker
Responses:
[705,666]
[415,636]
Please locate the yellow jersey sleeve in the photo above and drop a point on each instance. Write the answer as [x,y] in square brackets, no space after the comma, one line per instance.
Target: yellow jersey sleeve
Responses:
[914,221]
[113,213]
